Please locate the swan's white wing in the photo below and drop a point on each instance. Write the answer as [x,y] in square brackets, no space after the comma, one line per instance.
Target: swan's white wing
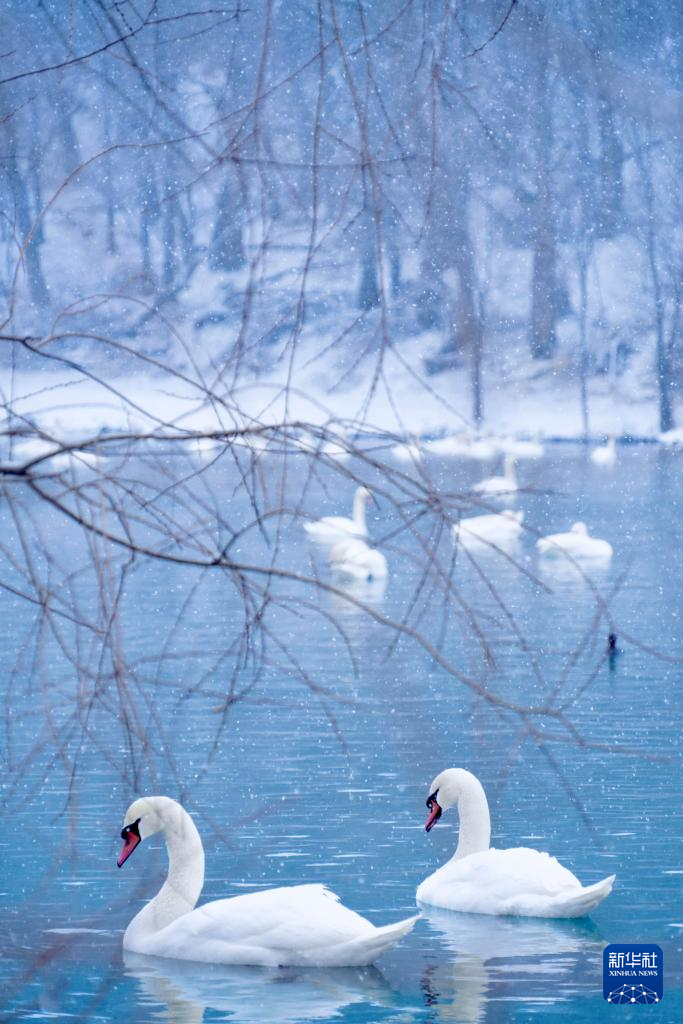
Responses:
[495,485]
[515,881]
[334,527]
[572,546]
[492,527]
[302,924]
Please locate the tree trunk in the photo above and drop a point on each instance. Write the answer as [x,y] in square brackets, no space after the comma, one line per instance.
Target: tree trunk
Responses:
[19,187]
[468,330]
[542,337]
[368,291]
[583,335]
[227,246]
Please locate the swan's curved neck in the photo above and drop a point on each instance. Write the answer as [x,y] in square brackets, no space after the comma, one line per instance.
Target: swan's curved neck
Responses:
[359,509]
[180,892]
[475,821]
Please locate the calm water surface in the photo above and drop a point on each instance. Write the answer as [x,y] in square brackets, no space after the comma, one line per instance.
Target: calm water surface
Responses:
[303,787]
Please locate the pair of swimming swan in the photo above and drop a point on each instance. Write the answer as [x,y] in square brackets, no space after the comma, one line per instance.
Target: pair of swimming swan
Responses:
[349,555]
[306,924]
[503,529]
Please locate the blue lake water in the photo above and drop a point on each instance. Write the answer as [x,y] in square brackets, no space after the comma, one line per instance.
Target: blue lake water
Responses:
[327,781]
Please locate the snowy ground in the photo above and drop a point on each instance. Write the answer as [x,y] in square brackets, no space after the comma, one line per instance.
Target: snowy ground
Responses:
[402,401]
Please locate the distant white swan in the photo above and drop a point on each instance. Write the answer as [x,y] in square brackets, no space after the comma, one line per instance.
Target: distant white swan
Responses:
[481,880]
[337,449]
[354,559]
[672,438]
[299,925]
[498,529]
[606,454]
[333,448]
[411,453]
[505,484]
[456,445]
[205,448]
[28,449]
[576,543]
[332,528]
[522,449]
[463,446]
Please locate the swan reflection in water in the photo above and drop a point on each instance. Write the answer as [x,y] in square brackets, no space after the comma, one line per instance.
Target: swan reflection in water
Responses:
[369,592]
[254,995]
[510,958]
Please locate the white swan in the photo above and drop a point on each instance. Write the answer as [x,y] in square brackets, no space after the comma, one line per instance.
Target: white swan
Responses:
[300,925]
[505,484]
[522,449]
[499,529]
[337,449]
[462,445]
[484,449]
[354,559]
[411,453]
[606,454]
[672,438]
[61,461]
[332,528]
[481,880]
[576,543]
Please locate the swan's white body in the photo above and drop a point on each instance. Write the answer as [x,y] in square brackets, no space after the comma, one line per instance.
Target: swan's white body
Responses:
[337,450]
[204,448]
[522,449]
[330,529]
[495,529]
[60,462]
[411,453]
[304,442]
[256,443]
[576,543]
[300,925]
[481,880]
[456,445]
[505,484]
[354,559]
[672,438]
[483,449]
[462,446]
[606,454]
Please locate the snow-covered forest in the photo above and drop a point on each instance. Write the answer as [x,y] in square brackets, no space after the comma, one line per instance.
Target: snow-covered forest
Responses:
[469,202]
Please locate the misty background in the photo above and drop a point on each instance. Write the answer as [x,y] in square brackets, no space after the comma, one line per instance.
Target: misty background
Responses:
[450,202]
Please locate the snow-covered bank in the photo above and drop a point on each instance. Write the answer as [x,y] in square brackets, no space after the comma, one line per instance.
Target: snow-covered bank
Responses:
[66,405]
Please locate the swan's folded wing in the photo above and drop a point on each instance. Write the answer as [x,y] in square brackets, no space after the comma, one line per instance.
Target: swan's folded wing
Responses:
[294,925]
[513,881]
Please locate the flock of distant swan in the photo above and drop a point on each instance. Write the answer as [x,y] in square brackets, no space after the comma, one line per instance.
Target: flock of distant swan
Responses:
[345,538]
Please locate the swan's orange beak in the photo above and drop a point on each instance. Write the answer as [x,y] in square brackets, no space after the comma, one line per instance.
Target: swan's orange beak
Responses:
[131,837]
[434,813]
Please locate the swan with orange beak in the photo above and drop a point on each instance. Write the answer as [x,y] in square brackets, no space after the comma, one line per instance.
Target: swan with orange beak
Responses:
[482,880]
